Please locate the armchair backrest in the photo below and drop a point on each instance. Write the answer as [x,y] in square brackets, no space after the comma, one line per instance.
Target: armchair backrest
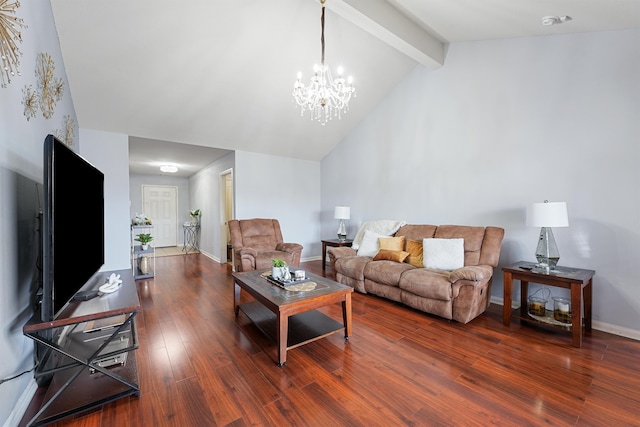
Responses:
[257,233]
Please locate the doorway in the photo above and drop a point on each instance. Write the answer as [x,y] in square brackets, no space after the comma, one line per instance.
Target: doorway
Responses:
[226,214]
[160,204]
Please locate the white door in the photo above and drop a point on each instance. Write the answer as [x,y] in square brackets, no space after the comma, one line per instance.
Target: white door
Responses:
[160,204]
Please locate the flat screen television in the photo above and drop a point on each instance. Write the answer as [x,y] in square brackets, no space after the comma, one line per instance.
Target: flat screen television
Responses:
[72,226]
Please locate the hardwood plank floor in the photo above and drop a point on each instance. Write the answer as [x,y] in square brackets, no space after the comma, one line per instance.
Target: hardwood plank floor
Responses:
[201,366]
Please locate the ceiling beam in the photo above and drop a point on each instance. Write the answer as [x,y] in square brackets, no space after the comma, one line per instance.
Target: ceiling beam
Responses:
[388,24]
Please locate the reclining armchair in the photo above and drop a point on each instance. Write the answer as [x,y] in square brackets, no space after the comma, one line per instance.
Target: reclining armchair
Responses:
[256,241]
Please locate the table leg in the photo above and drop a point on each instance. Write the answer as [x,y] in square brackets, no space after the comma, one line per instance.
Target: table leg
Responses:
[506,308]
[576,314]
[324,255]
[524,293]
[236,298]
[587,291]
[346,315]
[283,331]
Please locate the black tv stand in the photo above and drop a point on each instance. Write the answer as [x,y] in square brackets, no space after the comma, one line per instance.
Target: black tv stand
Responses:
[89,348]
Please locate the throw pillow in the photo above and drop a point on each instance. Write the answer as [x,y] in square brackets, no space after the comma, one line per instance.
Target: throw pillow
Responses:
[392,243]
[443,254]
[415,253]
[369,245]
[386,254]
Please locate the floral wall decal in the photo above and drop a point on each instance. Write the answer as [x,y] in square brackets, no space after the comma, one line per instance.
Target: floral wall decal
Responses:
[67,134]
[9,34]
[30,102]
[50,88]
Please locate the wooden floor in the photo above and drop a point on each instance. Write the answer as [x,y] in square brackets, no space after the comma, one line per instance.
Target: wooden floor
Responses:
[201,366]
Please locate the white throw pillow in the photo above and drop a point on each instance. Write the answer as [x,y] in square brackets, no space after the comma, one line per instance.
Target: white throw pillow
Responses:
[369,245]
[443,254]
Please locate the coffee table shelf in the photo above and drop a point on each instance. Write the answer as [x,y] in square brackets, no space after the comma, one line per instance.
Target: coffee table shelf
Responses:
[303,328]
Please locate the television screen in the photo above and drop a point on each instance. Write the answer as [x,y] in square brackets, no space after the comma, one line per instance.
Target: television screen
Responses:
[73,225]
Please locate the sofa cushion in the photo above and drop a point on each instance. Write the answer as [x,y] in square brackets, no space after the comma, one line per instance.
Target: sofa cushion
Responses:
[427,283]
[392,243]
[473,238]
[386,254]
[443,254]
[414,248]
[352,266]
[369,245]
[386,272]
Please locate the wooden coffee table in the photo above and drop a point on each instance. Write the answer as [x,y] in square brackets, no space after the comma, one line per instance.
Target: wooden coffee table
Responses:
[290,317]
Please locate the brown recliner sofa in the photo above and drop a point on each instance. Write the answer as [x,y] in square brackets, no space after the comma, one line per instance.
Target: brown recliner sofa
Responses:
[461,294]
[257,241]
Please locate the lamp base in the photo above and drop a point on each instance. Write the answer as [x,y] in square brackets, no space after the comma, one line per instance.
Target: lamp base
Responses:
[547,252]
[342,231]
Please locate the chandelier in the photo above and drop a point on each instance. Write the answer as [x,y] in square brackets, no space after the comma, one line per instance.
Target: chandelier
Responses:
[325,97]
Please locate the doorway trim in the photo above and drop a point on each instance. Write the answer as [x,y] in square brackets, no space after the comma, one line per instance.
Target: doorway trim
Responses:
[226,205]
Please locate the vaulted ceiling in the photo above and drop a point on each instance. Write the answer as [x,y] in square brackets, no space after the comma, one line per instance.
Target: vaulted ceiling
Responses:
[219,73]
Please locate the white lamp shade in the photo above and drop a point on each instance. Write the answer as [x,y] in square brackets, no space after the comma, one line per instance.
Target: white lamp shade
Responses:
[548,214]
[342,212]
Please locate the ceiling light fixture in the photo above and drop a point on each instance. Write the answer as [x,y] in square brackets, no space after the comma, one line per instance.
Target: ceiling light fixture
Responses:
[325,97]
[169,168]
[553,20]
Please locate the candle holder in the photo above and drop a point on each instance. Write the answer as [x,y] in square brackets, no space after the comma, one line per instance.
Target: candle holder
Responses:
[562,310]
[537,306]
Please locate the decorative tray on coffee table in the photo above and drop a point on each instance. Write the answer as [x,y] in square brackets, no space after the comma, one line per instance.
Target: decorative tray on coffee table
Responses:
[292,284]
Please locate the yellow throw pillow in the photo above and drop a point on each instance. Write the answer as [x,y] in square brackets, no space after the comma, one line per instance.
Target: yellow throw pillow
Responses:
[415,253]
[386,254]
[392,243]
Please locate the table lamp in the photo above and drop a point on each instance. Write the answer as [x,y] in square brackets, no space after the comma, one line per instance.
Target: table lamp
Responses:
[547,215]
[342,213]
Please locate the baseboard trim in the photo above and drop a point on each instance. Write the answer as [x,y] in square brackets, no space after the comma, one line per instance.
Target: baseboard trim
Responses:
[22,405]
[595,324]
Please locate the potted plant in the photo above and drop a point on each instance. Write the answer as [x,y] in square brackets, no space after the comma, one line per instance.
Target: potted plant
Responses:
[279,269]
[144,239]
[195,216]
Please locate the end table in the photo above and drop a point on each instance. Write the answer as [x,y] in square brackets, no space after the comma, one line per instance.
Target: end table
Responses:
[333,243]
[579,281]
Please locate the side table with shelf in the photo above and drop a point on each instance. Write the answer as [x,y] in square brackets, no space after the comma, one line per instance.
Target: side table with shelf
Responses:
[89,352]
[143,261]
[578,281]
[336,243]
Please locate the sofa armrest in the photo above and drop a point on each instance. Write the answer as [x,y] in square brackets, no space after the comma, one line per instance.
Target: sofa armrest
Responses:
[341,251]
[289,247]
[475,273]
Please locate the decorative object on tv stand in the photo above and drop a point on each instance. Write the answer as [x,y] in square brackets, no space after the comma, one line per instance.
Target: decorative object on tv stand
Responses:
[325,97]
[9,35]
[195,216]
[280,269]
[342,213]
[144,239]
[547,215]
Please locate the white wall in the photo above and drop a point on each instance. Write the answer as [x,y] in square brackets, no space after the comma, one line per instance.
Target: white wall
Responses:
[282,188]
[21,176]
[204,194]
[109,152]
[501,125]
